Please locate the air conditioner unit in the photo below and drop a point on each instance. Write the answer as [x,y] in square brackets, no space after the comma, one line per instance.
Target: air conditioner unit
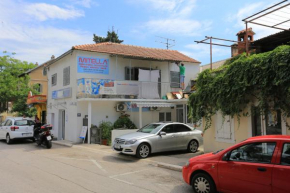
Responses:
[121,107]
[154,108]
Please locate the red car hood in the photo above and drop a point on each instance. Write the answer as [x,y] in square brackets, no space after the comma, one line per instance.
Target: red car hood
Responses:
[204,157]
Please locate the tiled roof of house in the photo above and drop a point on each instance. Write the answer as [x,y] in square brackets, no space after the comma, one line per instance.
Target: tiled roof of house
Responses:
[136,51]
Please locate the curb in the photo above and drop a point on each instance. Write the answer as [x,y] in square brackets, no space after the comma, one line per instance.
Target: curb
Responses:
[62,144]
[170,166]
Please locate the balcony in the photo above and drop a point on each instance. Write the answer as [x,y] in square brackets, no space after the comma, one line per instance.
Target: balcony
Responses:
[36,99]
[115,89]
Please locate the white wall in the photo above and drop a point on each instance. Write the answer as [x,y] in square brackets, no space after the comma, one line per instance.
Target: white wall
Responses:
[117,72]
[67,104]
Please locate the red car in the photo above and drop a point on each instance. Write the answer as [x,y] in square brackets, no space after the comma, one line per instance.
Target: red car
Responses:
[256,165]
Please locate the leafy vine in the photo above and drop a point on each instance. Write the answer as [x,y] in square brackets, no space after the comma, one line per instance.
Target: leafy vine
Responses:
[260,80]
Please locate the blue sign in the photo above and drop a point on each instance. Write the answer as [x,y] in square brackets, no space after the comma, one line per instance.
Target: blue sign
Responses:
[93,65]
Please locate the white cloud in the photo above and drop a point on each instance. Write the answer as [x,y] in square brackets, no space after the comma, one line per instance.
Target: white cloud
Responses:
[34,40]
[43,11]
[251,9]
[178,26]
[84,3]
[175,19]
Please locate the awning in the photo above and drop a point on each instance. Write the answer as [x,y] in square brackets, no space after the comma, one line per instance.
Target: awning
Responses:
[154,104]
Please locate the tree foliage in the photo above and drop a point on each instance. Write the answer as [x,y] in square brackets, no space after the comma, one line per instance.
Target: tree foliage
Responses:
[261,80]
[112,36]
[12,87]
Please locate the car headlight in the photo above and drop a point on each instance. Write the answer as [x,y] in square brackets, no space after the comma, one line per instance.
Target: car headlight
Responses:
[132,141]
[187,164]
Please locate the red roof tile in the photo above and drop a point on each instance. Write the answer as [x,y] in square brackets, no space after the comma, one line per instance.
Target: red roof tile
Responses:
[136,51]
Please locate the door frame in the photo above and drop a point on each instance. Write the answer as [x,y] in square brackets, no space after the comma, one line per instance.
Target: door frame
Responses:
[61,125]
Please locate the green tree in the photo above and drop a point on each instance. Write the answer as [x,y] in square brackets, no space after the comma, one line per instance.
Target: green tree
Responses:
[112,36]
[13,87]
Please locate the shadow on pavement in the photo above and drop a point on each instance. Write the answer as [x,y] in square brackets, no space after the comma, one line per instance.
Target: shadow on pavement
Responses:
[26,144]
[121,158]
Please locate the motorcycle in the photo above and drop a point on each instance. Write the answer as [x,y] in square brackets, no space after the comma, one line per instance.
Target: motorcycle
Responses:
[43,136]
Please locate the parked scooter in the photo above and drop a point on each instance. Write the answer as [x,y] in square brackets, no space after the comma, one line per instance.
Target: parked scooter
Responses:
[43,135]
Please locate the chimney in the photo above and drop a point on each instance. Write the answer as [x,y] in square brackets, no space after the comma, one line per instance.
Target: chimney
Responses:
[242,37]
[52,57]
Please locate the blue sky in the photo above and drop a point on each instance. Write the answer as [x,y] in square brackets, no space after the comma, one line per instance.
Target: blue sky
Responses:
[36,29]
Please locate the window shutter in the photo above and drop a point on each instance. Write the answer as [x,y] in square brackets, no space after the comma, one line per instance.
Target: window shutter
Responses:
[66,76]
[161,117]
[127,73]
[53,79]
[174,79]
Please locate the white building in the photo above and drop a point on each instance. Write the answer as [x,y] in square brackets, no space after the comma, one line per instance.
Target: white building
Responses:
[94,80]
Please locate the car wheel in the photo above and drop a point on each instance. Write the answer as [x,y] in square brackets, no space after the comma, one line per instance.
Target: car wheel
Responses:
[192,146]
[8,140]
[202,183]
[143,150]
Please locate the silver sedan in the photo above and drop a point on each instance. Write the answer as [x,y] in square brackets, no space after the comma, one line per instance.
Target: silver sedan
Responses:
[159,137]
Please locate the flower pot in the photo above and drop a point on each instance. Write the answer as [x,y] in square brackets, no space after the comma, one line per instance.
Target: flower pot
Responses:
[104,142]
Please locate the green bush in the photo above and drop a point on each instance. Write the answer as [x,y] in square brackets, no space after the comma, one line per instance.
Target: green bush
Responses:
[124,122]
[106,128]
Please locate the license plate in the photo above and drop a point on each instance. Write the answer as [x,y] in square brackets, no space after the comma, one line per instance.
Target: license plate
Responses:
[118,146]
[48,137]
[26,134]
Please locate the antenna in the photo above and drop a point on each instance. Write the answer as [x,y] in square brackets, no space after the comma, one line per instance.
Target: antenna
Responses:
[169,42]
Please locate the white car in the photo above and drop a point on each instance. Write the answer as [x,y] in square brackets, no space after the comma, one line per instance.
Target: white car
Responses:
[16,128]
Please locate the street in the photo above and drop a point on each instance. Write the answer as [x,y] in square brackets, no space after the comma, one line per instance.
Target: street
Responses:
[25,167]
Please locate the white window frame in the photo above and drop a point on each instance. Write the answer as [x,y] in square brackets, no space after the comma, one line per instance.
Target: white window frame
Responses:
[220,127]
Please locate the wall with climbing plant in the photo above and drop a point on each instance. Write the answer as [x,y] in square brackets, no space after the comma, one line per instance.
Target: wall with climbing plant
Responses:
[260,80]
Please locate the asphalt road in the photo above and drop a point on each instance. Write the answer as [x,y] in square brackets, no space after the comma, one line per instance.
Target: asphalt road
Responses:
[27,168]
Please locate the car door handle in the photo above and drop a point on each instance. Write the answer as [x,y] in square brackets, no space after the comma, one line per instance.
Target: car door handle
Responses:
[262,169]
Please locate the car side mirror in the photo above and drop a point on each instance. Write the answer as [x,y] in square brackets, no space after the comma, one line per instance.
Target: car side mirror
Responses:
[226,157]
[162,133]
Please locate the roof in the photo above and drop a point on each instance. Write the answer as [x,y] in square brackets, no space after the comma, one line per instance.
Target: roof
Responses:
[136,51]
[28,71]
[244,31]
[215,65]
[270,42]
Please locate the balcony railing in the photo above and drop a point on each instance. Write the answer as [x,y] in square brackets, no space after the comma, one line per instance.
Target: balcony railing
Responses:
[107,88]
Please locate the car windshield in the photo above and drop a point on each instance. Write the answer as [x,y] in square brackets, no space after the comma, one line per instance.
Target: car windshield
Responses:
[151,128]
[23,122]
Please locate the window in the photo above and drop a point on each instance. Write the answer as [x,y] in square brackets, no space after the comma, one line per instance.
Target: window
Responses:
[169,129]
[224,126]
[254,152]
[182,128]
[53,79]
[8,122]
[23,122]
[66,76]
[174,79]
[39,88]
[285,159]
[164,116]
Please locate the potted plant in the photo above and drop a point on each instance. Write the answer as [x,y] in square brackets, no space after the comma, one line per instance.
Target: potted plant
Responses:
[106,128]
[124,122]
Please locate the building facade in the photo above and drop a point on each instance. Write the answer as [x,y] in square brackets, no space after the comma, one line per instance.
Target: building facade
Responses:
[97,82]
